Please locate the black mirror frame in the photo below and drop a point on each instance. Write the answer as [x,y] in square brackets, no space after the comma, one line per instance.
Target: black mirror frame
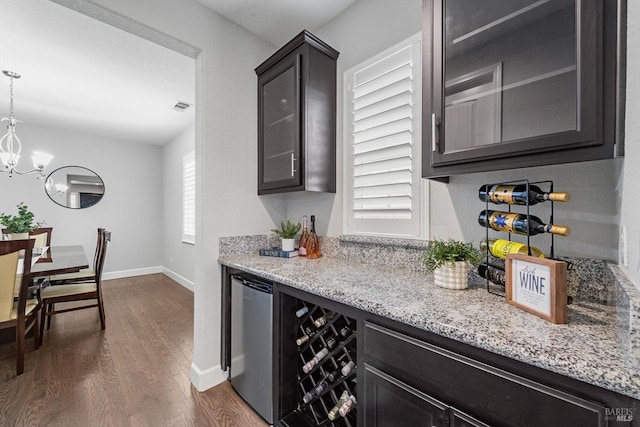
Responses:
[74,166]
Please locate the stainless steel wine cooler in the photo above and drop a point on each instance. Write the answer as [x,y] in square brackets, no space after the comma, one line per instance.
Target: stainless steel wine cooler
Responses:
[251,371]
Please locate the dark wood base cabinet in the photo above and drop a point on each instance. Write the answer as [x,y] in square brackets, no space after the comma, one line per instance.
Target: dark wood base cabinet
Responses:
[445,386]
[407,377]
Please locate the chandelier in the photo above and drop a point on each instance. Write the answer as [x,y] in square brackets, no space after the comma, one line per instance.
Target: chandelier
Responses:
[10,146]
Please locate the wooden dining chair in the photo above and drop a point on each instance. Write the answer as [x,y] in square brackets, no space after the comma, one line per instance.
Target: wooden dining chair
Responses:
[42,236]
[15,270]
[86,275]
[50,296]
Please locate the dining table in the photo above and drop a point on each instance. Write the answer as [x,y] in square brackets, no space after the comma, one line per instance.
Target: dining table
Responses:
[60,259]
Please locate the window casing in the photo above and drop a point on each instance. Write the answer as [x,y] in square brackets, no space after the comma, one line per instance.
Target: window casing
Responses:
[384,192]
[189,198]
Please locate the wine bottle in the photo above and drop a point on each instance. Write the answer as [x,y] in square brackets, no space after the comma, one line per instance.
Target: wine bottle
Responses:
[493,273]
[519,223]
[517,194]
[331,343]
[333,376]
[307,397]
[313,246]
[302,245]
[321,387]
[501,248]
[346,370]
[313,362]
[347,406]
[303,339]
[344,332]
[333,413]
[322,320]
[497,275]
[304,310]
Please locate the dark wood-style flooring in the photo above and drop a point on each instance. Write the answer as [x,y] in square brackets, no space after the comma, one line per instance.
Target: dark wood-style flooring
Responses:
[135,373]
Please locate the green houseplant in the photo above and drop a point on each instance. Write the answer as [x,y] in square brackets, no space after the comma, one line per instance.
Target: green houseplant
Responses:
[287,233]
[448,260]
[20,223]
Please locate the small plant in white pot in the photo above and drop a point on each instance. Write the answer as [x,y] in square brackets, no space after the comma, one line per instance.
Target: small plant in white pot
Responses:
[287,232]
[448,260]
[19,226]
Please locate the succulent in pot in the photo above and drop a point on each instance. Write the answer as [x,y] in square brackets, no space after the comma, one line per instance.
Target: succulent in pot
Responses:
[20,224]
[448,260]
[287,232]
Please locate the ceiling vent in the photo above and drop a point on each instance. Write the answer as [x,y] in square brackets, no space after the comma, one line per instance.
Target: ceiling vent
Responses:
[181,106]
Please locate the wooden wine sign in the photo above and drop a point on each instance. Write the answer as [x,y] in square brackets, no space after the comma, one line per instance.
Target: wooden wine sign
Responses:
[537,286]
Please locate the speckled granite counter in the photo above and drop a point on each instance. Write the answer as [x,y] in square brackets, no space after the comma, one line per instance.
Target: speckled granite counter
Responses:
[592,347]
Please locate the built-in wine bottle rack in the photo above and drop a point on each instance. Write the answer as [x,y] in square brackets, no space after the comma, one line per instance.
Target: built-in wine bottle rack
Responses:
[334,375]
[491,288]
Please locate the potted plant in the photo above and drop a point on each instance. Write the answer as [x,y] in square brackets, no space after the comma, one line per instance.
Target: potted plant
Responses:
[19,225]
[448,260]
[287,233]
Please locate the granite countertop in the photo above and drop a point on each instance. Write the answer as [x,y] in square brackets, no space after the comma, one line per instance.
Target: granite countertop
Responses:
[588,348]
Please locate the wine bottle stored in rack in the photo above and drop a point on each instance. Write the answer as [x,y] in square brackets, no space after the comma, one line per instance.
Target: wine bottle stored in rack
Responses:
[519,223]
[326,346]
[500,248]
[517,194]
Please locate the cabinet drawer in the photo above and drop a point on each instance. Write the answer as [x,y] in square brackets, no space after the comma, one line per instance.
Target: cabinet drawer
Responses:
[494,396]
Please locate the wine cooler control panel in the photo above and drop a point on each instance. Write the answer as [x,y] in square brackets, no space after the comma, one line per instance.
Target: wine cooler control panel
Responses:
[327,383]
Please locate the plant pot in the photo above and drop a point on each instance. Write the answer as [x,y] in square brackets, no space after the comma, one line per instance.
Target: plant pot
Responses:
[18,236]
[288,245]
[451,275]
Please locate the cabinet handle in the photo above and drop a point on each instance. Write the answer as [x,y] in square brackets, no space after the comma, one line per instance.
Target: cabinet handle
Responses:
[433,132]
[293,170]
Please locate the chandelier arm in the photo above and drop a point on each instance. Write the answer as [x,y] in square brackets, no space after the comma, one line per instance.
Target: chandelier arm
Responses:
[11,146]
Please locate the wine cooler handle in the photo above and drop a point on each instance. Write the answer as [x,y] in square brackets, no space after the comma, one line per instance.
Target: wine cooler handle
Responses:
[293,160]
[433,132]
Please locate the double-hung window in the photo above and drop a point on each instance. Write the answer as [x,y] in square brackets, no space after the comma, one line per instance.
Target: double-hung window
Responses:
[384,192]
[189,198]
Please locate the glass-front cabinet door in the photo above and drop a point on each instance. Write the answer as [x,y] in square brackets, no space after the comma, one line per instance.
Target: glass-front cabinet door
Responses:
[279,122]
[511,79]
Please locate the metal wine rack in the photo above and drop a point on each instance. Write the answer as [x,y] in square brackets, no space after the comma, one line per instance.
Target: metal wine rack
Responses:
[316,410]
[490,286]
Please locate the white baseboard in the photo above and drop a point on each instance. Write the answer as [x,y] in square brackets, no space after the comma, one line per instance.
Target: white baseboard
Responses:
[150,270]
[131,273]
[178,278]
[204,380]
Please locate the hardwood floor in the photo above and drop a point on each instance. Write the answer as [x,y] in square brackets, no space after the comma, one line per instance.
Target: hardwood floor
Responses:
[135,373]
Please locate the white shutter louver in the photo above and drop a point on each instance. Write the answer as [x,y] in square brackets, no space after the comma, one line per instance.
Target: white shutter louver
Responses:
[189,198]
[382,138]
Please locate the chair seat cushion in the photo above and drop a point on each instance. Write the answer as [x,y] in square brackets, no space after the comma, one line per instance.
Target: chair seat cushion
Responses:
[66,290]
[82,274]
[31,305]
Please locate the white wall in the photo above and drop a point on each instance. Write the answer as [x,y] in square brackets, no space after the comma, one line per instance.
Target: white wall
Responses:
[178,257]
[131,207]
[631,175]
[226,150]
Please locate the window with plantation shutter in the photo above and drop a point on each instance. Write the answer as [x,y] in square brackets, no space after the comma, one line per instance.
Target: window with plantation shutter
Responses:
[189,198]
[383,121]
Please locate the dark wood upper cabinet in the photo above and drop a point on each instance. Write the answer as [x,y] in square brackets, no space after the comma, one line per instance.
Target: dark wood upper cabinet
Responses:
[516,83]
[297,118]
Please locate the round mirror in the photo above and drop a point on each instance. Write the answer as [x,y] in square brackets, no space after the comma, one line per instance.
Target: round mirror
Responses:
[74,187]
